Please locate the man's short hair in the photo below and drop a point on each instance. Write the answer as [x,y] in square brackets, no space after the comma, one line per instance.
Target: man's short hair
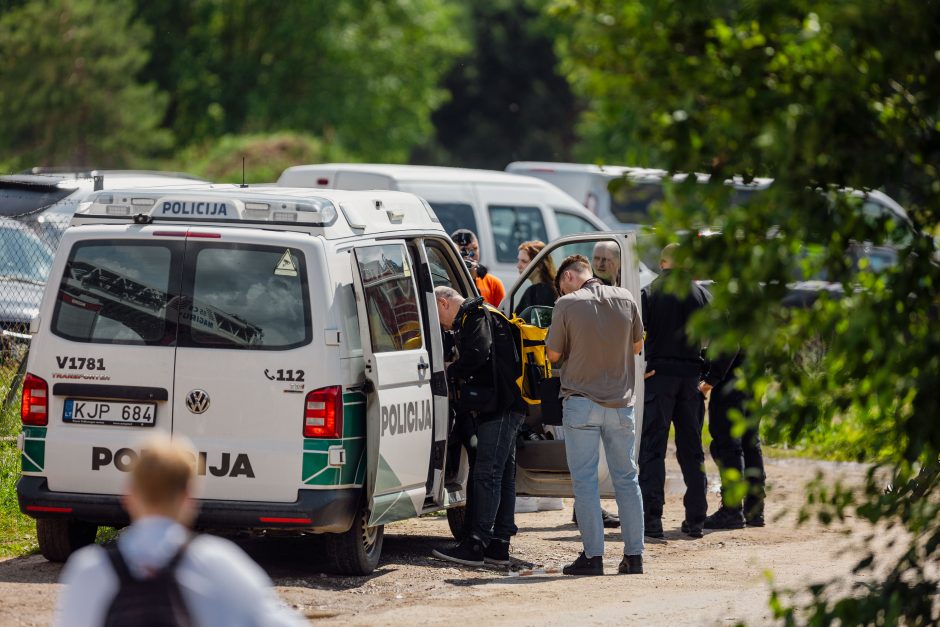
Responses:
[577,263]
[162,474]
[447,293]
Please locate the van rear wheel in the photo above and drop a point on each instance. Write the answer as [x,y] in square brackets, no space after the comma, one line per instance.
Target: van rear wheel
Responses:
[357,551]
[60,537]
[457,521]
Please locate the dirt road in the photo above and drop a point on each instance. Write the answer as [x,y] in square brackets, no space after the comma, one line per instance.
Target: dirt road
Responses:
[717,580]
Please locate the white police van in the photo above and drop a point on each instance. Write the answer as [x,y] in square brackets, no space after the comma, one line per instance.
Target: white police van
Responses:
[290,335]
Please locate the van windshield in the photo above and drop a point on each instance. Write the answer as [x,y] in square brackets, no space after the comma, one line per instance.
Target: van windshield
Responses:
[630,204]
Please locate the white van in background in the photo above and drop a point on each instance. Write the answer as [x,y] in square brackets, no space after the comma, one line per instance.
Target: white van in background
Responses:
[503,209]
[588,183]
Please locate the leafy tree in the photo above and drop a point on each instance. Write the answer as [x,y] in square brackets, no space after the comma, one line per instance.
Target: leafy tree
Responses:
[69,93]
[509,102]
[359,72]
[821,96]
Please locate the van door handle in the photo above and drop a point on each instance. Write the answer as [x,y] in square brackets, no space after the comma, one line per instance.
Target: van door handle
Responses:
[423,366]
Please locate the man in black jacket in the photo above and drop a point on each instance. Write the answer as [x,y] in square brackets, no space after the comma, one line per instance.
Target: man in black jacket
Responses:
[492,402]
[742,454]
[673,370]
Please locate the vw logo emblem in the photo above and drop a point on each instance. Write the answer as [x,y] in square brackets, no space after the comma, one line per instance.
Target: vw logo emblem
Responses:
[197,401]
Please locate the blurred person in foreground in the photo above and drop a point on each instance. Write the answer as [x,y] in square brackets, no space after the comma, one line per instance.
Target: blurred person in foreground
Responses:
[606,262]
[489,286]
[542,290]
[674,368]
[596,330]
[159,572]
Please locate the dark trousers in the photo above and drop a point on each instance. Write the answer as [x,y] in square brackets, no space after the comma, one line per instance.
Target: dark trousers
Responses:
[492,490]
[673,400]
[742,454]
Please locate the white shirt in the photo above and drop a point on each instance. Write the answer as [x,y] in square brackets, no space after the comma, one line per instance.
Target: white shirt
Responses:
[220,584]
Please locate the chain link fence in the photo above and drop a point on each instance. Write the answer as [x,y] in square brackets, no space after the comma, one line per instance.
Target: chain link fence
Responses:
[33,216]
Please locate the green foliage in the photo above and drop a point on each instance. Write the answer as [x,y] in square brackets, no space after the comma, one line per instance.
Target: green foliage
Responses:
[509,102]
[362,73]
[17,531]
[266,156]
[821,97]
[69,92]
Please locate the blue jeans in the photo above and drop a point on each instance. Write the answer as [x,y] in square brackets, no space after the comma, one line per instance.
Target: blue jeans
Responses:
[493,489]
[587,424]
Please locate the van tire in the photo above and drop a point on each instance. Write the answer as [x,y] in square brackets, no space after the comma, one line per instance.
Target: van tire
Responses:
[357,551]
[457,521]
[60,537]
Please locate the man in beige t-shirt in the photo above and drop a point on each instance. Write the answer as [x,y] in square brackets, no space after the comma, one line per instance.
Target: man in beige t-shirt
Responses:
[596,330]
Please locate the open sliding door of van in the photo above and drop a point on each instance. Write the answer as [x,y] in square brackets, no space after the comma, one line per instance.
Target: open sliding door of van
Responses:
[399,411]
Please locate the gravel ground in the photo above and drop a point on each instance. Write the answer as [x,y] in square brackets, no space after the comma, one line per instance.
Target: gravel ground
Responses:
[719,579]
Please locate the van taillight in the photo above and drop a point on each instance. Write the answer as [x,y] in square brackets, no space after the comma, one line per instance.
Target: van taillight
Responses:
[323,413]
[35,407]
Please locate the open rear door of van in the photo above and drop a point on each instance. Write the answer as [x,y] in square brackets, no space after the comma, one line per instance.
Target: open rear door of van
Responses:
[399,412]
[542,467]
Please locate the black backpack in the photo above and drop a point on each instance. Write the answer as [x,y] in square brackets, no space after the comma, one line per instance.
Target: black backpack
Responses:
[507,358]
[155,601]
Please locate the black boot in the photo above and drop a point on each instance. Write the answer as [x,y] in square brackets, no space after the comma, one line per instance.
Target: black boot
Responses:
[631,565]
[653,528]
[693,530]
[725,518]
[587,566]
[754,511]
[497,553]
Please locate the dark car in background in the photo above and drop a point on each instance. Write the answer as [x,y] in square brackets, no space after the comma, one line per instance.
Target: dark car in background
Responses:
[35,209]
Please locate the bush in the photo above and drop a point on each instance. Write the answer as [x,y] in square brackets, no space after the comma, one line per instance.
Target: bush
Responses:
[266,156]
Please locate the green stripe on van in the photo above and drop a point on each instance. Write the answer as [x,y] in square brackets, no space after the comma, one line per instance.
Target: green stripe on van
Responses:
[34,449]
[316,469]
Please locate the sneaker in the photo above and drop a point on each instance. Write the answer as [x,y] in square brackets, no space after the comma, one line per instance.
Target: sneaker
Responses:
[550,504]
[693,531]
[587,566]
[757,520]
[653,528]
[631,565]
[725,518]
[527,504]
[469,553]
[497,553]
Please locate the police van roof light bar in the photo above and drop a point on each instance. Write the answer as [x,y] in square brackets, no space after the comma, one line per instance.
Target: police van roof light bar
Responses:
[146,207]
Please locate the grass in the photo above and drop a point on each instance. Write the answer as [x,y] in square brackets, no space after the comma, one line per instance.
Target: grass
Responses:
[17,531]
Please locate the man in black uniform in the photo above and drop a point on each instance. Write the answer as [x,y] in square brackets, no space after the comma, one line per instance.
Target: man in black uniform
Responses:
[673,371]
[742,454]
[493,404]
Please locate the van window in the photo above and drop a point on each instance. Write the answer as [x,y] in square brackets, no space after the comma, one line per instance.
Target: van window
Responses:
[250,297]
[455,215]
[118,293]
[390,298]
[441,271]
[571,224]
[630,204]
[513,225]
